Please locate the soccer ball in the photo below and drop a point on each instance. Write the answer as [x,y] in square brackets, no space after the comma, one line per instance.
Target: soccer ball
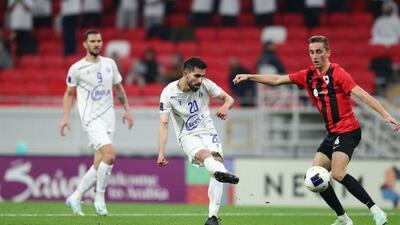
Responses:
[317,179]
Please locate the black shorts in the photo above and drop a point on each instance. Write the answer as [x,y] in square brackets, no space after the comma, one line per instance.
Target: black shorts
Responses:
[344,142]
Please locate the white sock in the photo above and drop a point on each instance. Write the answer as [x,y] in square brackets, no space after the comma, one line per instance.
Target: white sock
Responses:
[215,189]
[375,209]
[103,174]
[87,181]
[213,165]
[344,217]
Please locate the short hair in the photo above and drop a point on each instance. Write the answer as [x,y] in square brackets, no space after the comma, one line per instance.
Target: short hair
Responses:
[193,62]
[88,32]
[319,39]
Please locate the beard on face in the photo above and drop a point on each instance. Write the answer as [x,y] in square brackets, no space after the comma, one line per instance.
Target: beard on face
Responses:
[193,87]
[93,53]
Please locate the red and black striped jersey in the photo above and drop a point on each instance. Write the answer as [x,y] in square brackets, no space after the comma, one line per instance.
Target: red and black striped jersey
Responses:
[331,94]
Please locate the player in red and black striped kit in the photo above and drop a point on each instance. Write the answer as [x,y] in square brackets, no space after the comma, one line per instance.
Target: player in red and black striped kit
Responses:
[330,87]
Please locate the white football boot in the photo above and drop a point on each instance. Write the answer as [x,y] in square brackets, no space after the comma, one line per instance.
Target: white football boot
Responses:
[75,205]
[101,208]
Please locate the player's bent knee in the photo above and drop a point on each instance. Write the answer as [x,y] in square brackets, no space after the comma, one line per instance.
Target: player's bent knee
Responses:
[202,155]
[338,175]
[217,156]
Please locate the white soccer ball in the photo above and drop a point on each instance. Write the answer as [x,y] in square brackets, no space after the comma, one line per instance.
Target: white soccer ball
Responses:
[317,179]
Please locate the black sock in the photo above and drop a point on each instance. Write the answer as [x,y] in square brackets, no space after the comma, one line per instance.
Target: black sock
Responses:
[355,188]
[330,197]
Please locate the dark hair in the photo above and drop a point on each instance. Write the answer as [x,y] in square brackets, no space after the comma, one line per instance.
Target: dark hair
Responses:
[319,39]
[193,62]
[88,32]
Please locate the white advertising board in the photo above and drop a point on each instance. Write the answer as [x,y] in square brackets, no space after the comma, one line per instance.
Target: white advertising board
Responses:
[279,182]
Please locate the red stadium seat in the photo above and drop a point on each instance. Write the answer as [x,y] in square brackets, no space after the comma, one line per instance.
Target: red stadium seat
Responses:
[125,65]
[339,19]
[152,89]
[36,89]
[228,34]
[325,31]
[132,90]
[188,48]
[30,61]
[11,89]
[71,59]
[203,34]
[177,20]
[51,48]
[394,51]
[53,61]
[162,47]
[246,20]
[250,34]
[13,75]
[376,51]
[361,19]
[297,33]
[293,19]
[364,78]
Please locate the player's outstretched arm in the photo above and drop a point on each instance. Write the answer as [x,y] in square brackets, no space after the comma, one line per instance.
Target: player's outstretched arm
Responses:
[222,112]
[162,139]
[375,105]
[270,79]
[67,105]
[127,116]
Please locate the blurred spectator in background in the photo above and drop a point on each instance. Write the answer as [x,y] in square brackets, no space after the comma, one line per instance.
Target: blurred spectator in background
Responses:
[127,14]
[21,23]
[42,14]
[264,11]
[153,18]
[246,91]
[388,188]
[145,70]
[6,60]
[269,62]
[153,13]
[312,12]
[70,10]
[173,72]
[386,28]
[229,10]
[383,69]
[201,12]
[91,12]
[336,6]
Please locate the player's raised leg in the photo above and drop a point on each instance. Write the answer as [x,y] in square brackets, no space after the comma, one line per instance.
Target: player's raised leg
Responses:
[340,161]
[216,168]
[329,195]
[103,174]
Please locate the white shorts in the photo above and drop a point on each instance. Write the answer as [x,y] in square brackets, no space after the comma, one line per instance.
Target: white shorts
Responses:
[98,135]
[192,144]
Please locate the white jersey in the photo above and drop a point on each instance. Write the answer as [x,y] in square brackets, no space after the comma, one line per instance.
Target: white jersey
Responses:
[189,110]
[94,82]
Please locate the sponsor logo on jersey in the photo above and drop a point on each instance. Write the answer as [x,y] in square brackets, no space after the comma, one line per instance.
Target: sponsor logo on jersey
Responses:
[99,92]
[161,106]
[194,121]
[323,92]
[326,79]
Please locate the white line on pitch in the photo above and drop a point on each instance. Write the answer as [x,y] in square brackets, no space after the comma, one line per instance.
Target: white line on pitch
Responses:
[179,214]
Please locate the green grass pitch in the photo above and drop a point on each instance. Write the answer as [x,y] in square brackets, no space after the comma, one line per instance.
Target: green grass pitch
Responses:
[45,213]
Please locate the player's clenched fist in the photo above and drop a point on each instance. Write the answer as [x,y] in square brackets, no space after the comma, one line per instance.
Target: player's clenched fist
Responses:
[240,77]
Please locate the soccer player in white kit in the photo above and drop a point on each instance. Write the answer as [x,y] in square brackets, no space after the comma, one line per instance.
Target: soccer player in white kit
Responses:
[94,78]
[186,102]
